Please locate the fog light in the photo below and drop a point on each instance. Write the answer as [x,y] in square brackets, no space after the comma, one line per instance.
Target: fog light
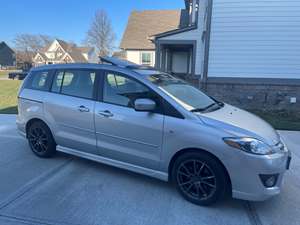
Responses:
[269,180]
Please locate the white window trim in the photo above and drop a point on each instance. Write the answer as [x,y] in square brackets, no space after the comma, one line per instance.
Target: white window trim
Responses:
[151,58]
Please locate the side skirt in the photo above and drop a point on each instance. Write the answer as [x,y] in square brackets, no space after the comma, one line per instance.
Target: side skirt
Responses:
[111,162]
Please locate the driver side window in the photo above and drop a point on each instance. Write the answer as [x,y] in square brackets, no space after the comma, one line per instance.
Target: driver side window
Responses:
[123,91]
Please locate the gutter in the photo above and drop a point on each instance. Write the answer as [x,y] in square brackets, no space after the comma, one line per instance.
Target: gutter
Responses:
[172,32]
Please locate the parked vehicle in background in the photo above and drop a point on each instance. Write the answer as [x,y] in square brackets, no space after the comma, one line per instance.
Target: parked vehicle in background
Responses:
[150,122]
[17,75]
[21,73]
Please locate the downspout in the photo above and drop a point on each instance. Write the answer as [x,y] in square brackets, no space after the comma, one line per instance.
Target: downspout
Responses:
[156,43]
[157,54]
[207,44]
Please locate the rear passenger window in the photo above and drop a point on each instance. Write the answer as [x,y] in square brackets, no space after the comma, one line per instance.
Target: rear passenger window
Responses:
[39,80]
[68,78]
[78,83]
[57,82]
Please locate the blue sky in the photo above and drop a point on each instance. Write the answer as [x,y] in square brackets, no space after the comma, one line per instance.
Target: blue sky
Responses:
[69,20]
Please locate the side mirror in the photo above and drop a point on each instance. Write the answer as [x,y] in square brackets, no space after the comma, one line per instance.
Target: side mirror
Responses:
[144,105]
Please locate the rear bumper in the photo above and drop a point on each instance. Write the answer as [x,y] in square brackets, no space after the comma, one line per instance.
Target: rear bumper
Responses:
[246,182]
[21,126]
[23,134]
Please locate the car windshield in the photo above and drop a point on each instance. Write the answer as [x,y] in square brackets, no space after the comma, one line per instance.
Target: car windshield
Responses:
[185,94]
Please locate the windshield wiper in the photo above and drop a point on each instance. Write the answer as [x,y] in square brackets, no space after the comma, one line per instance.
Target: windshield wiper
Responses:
[220,104]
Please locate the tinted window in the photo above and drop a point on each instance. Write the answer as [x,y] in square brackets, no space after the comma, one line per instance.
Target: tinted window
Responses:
[38,80]
[123,91]
[78,83]
[57,81]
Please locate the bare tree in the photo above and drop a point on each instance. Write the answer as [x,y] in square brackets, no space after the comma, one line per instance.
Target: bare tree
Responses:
[101,35]
[46,39]
[30,42]
[27,45]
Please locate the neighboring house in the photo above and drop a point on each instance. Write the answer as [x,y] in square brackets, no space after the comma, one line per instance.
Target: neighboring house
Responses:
[119,54]
[7,55]
[62,52]
[141,25]
[246,52]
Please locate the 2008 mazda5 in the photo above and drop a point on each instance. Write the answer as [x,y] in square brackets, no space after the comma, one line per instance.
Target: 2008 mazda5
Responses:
[152,123]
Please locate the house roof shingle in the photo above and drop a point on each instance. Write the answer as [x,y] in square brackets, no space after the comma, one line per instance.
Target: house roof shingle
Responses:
[85,49]
[76,55]
[4,45]
[143,24]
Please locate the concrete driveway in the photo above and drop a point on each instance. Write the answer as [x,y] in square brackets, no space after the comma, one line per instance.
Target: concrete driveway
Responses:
[69,190]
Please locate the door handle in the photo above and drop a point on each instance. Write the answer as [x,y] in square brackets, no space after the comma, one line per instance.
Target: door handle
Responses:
[82,108]
[106,113]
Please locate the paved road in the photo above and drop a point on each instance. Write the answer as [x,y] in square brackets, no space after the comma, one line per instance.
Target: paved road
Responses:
[66,191]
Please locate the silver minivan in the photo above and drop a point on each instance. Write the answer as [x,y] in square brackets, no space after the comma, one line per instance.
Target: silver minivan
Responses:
[150,122]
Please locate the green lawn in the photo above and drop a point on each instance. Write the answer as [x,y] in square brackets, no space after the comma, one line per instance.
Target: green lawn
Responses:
[281,120]
[3,74]
[8,96]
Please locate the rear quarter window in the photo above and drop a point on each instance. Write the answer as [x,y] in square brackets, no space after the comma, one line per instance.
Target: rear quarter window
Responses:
[39,80]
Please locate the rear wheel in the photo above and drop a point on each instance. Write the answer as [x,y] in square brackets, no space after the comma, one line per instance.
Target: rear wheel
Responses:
[41,140]
[199,178]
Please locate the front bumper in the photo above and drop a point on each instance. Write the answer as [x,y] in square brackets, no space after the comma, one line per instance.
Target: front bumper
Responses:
[246,182]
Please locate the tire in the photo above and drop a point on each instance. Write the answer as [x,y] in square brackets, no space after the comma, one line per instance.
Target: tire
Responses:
[199,178]
[40,140]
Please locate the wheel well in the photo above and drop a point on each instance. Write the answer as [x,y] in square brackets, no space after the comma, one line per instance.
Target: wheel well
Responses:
[184,151]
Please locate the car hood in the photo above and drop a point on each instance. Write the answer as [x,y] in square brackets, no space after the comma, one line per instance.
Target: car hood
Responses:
[240,123]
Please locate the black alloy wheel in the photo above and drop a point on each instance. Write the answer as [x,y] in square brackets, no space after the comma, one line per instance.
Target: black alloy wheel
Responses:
[200,178]
[40,140]
[196,179]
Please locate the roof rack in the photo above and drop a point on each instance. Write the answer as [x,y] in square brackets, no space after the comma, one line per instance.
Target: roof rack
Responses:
[123,63]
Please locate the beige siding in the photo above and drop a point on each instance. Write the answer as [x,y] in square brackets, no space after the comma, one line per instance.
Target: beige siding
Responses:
[135,56]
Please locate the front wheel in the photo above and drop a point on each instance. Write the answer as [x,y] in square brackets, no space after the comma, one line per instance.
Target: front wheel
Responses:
[40,140]
[199,178]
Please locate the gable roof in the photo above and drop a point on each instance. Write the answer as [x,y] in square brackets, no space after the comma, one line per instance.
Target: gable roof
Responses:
[85,49]
[76,55]
[3,45]
[41,55]
[66,46]
[73,51]
[143,24]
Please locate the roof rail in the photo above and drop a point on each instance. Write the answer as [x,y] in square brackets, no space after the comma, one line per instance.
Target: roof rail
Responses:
[123,63]
[115,61]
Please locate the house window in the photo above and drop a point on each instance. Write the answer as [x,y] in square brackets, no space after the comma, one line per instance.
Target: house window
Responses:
[146,58]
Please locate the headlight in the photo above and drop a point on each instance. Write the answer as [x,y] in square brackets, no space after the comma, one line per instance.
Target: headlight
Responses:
[250,145]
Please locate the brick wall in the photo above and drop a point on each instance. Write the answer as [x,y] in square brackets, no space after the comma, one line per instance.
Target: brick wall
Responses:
[255,96]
